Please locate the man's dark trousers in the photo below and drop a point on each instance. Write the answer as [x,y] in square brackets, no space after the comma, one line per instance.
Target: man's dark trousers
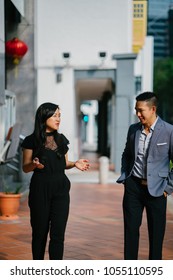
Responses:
[136,198]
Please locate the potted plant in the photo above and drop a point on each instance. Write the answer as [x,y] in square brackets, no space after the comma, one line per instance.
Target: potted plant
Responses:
[10,202]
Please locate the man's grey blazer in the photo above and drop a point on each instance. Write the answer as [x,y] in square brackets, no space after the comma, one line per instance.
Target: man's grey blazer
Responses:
[160,152]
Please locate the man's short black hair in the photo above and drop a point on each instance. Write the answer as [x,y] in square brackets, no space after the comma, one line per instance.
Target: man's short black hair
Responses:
[149,97]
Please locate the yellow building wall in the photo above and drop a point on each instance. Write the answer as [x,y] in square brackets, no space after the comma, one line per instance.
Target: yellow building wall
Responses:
[139,24]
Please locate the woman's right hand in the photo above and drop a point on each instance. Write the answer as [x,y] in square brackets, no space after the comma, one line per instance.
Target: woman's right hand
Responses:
[37,163]
[29,164]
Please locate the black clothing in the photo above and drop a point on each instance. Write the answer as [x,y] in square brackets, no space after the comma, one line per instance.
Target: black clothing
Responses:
[49,195]
[136,198]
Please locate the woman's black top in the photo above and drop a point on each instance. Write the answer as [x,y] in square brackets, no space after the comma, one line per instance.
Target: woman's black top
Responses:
[52,156]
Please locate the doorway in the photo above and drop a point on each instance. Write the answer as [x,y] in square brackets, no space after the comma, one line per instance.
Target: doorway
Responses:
[94,92]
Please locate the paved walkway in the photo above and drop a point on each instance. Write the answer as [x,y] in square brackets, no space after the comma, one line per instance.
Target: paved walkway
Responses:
[95,226]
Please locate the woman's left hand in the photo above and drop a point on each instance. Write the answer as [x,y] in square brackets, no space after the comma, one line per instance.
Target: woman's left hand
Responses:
[82,164]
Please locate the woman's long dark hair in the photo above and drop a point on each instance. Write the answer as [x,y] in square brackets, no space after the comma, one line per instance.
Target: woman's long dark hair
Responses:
[44,111]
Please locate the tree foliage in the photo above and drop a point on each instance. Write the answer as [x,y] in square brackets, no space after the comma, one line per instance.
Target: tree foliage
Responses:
[163,86]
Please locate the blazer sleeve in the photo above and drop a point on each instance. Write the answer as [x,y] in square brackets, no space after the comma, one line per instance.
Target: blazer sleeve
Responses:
[169,187]
[126,158]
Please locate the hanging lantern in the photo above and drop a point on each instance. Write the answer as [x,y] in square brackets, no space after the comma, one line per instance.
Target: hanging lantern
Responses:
[16,49]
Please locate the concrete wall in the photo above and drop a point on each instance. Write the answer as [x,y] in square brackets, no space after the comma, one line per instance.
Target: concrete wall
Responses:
[82,28]
[2,56]
[2,74]
[21,79]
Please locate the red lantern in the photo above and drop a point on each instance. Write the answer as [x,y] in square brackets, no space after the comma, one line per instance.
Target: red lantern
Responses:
[16,49]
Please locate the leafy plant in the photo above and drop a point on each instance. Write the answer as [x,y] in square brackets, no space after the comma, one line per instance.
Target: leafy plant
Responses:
[11,188]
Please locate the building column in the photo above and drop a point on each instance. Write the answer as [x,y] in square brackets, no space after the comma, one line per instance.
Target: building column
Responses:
[124,103]
[2,54]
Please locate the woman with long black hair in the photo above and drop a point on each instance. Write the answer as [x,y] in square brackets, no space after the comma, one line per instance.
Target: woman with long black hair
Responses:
[45,153]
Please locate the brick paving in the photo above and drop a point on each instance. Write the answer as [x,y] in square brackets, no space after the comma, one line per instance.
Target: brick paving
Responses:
[95,225]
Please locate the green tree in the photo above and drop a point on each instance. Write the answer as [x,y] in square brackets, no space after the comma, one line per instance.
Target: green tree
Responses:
[163,86]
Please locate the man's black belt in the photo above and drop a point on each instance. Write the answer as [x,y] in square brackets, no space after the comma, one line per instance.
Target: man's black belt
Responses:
[140,181]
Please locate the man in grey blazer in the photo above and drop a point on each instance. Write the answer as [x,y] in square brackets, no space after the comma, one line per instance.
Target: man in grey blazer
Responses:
[147,177]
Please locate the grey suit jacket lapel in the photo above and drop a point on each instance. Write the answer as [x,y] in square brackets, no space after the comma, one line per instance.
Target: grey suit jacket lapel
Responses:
[137,135]
[156,133]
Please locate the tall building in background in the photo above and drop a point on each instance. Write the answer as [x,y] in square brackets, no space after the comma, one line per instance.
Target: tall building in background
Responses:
[159,19]
[139,24]
[170,19]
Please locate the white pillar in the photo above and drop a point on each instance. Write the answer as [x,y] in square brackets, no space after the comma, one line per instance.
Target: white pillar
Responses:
[90,128]
[103,170]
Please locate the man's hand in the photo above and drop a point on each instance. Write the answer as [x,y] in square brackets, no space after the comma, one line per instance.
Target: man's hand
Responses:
[165,194]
